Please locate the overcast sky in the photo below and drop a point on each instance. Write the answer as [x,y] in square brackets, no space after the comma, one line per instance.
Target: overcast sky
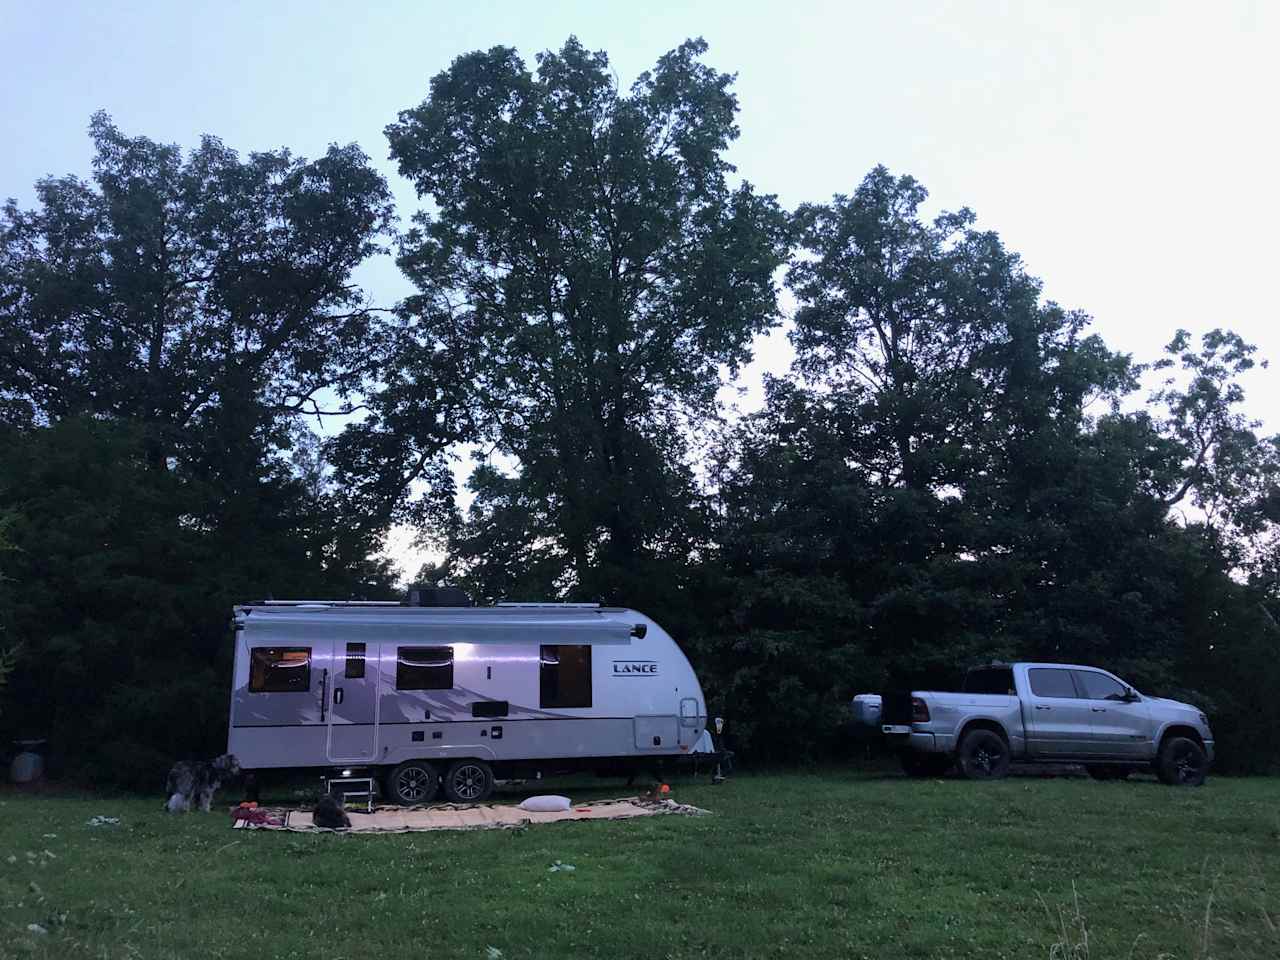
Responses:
[1128,151]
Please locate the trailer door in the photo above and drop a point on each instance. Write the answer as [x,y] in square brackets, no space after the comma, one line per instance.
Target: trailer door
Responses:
[690,722]
[352,701]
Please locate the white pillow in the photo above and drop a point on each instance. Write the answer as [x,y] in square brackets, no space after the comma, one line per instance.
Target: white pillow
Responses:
[547,803]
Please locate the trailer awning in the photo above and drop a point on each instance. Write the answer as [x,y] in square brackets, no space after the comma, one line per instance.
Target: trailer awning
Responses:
[447,626]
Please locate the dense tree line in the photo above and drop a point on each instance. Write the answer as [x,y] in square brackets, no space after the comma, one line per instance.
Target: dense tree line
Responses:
[954,469]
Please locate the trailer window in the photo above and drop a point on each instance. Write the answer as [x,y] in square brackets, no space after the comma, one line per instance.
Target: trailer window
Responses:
[566,675]
[355,661]
[424,668]
[280,670]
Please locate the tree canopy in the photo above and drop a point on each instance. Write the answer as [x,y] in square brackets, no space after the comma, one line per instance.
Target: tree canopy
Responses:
[951,475]
[953,469]
[164,330]
[588,255]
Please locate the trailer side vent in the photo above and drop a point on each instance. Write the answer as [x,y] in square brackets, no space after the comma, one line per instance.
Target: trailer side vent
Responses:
[490,708]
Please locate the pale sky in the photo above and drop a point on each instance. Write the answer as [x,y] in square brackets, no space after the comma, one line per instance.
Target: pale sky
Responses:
[1127,150]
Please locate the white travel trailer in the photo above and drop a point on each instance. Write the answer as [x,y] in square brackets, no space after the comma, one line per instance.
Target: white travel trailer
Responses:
[437,696]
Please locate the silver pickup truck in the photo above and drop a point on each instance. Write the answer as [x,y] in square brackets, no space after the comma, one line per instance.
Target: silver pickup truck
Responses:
[1043,712]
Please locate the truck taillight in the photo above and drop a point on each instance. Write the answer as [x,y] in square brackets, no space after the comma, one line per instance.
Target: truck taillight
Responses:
[919,711]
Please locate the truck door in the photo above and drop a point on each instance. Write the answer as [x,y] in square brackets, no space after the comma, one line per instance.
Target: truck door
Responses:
[1120,728]
[1058,719]
[352,702]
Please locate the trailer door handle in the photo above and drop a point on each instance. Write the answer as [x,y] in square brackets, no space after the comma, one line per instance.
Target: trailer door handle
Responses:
[337,695]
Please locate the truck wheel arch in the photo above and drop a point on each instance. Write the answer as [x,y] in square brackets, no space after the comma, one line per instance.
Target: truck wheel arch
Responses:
[1178,730]
[981,723]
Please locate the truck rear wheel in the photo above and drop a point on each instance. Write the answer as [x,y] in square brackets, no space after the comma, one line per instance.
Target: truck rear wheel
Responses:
[1181,763]
[414,781]
[468,781]
[983,755]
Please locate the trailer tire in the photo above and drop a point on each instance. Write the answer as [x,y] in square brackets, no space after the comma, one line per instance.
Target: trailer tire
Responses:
[983,755]
[468,781]
[412,782]
[1181,762]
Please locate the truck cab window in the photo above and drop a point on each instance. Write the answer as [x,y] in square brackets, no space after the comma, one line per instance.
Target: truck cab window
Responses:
[566,675]
[424,668]
[280,670]
[1053,683]
[1098,686]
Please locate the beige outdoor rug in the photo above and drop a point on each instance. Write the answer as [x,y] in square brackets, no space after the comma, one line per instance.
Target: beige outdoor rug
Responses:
[450,816]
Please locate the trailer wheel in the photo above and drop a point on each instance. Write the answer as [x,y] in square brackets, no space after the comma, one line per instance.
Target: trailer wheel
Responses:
[468,781]
[983,755]
[414,781]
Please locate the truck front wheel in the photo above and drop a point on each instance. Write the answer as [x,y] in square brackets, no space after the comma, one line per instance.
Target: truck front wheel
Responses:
[1181,763]
[983,755]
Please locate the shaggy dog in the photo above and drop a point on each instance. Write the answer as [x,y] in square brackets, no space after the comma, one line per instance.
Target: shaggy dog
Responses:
[194,783]
[329,813]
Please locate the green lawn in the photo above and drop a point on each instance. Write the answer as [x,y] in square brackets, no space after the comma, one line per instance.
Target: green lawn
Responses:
[831,864]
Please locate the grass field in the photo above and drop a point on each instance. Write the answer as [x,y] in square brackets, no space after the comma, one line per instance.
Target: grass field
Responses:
[833,864]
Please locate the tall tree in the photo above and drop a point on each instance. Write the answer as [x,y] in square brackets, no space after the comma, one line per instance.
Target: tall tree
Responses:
[164,329]
[956,392]
[933,334]
[171,286]
[589,254]
[875,515]
[953,476]
[1228,472]
[204,299]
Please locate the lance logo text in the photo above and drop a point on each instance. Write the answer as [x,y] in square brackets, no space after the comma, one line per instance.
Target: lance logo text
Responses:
[635,668]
